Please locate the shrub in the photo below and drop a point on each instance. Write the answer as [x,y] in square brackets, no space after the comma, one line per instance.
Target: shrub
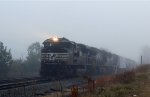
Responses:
[125,77]
[143,68]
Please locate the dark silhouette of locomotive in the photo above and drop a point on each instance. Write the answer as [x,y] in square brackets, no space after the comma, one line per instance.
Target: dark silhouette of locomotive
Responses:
[62,58]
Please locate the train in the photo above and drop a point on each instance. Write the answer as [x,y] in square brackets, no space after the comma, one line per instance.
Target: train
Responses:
[62,58]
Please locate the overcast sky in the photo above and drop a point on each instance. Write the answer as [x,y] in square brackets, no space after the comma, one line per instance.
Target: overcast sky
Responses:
[120,27]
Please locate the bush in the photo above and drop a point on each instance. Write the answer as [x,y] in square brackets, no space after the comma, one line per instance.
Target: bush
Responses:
[103,81]
[143,68]
[125,77]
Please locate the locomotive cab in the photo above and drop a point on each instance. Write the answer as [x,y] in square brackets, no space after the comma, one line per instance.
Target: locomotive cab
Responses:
[57,57]
[57,50]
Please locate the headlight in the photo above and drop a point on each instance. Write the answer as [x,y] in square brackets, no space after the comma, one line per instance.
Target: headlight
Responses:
[55,39]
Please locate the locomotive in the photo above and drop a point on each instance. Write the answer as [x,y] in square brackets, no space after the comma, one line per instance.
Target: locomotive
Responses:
[62,58]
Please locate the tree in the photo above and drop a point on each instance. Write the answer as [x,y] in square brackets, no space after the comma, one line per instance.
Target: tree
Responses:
[17,69]
[33,58]
[5,60]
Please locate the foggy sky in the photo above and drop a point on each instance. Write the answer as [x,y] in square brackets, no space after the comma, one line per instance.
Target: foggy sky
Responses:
[119,27]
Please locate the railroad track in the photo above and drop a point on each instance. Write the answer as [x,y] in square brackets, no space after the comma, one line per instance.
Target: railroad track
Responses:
[21,82]
[55,86]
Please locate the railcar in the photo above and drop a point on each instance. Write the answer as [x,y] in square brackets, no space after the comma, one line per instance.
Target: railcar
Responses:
[62,58]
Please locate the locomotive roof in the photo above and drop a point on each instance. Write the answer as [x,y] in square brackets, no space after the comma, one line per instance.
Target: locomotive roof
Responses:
[63,39]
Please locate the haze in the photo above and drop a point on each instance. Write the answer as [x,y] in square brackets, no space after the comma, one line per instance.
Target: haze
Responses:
[121,27]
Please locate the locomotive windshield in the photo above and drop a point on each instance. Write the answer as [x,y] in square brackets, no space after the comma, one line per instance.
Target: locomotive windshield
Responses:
[60,47]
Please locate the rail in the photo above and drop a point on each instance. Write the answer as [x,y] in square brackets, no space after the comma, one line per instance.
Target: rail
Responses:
[15,83]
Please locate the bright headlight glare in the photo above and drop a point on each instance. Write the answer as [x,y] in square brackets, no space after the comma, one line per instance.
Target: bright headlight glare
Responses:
[55,39]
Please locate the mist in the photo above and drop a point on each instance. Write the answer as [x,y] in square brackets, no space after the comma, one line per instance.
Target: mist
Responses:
[121,27]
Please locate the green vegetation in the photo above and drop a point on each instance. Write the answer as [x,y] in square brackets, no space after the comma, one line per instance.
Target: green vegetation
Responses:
[5,60]
[29,67]
[20,67]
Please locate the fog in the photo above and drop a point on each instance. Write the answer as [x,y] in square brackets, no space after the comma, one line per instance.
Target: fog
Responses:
[121,27]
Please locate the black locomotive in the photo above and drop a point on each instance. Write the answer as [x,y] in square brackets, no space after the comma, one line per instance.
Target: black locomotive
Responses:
[62,58]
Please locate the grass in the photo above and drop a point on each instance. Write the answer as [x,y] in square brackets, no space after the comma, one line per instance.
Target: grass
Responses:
[129,84]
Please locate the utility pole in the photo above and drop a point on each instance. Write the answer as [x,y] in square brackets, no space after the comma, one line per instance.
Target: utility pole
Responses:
[141,60]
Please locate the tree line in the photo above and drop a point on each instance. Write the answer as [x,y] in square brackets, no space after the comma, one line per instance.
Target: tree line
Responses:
[16,68]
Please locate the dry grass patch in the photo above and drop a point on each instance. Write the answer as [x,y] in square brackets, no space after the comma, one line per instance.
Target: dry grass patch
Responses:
[128,84]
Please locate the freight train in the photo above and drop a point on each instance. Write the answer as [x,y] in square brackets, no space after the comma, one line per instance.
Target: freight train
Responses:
[62,58]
